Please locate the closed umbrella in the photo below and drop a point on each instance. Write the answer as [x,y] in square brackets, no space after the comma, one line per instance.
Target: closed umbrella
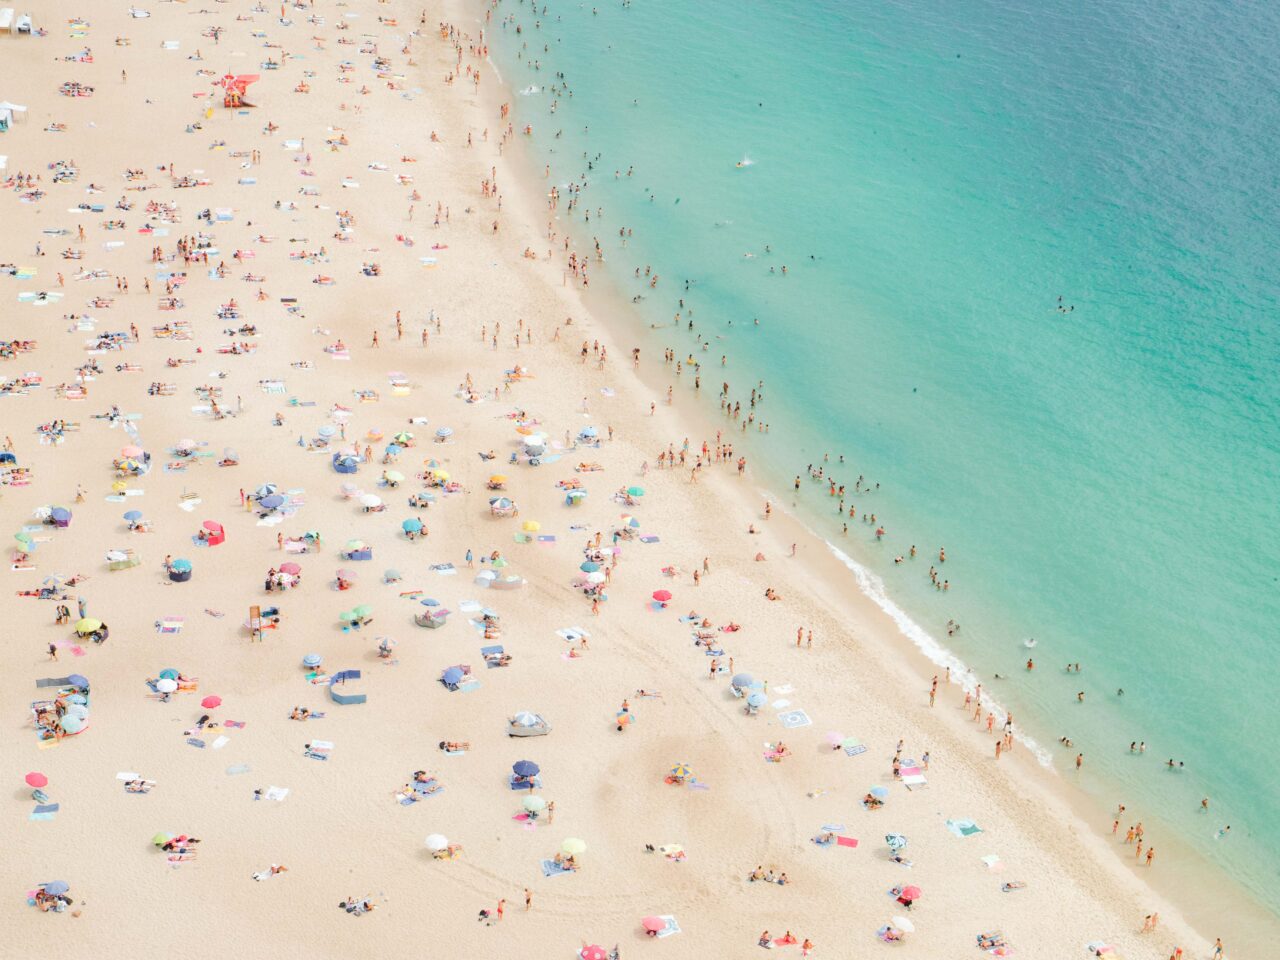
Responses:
[37,780]
[437,841]
[573,846]
[525,768]
[210,702]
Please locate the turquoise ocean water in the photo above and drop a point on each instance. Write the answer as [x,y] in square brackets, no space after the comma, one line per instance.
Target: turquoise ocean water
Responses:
[935,177]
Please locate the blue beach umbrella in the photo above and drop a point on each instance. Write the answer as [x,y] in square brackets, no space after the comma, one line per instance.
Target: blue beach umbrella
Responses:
[326,430]
[525,768]
[743,680]
[445,432]
[757,699]
[265,490]
[412,525]
[393,449]
[168,673]
[589,566]
[879,792]
[272,501]
[133,515]
[56,888]
[430,602]
[311,660]
[896,841]
[78,680]
[453,675]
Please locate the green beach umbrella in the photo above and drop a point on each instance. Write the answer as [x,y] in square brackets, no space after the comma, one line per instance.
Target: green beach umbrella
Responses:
[363,610]
[635,491]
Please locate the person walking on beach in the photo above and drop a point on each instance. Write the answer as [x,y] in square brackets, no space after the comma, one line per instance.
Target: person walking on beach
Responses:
[528,899]
[1079,760]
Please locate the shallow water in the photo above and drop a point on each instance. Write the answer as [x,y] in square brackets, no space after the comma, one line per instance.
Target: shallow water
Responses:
[935,177]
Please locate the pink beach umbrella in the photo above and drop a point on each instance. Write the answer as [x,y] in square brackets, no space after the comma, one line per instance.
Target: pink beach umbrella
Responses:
[210,702]
[653,924]
[37,780]
[131,451]
[290,568]
[662,596]
[594,952]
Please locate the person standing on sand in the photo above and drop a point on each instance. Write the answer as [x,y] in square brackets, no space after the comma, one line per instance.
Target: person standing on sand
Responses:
[528,899]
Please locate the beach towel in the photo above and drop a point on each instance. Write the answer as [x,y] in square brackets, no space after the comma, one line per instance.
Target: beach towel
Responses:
[993,862]
[511,781]
[196,742]
[649,538]
[551,869]
[794,718]
[963,828]
[846,842]
[276,793]
[671,925]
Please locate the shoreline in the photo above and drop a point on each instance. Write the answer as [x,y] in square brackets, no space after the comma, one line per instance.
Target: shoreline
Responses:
[340,812]
[1180,892]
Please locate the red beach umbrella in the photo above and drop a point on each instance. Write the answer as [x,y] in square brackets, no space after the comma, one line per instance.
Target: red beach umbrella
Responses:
[290,568]
[210,702]
[662,596]
[910,893]
[594,952]
[37,780]
[653,924]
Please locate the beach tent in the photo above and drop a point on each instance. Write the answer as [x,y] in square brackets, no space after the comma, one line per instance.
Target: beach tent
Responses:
[61,517]
[234,88]
[180,571]
[217,534]
[6,20]
[345,463]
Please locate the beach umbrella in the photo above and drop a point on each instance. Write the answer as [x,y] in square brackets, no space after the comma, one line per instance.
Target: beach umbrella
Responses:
[345,574]
[168,673]
[412,525]
[635,491]
[370,500]
[390,575]
[346,616]
[78,680]
[533,804]
[594,951]
[498,478]
[437,841]
[229,454]
[896,841]
[36,780]
[133,516]
[78,710]
[742,680]
[355,545]
[186,443]
[311,660]
[453,675]
[182,566]
[60,514]
[499,563]
[265,490]
[653,924]
[662,596]
[589,566]
[682,770]
[271,501]
[430,602]
[291,568]
[910,893]
[70,723]
[166,685]
[392,449]
[525,768]
[404,437]
[444,432]
[573,846]
[903,924]
[119,486]
[502,503]
[210,702]
[88,625]
[131,451]
[22,537]
[526,719]
[349,489]
[395,476]
[595,577]
[879,792]
[442,476]
[326,430]
[77,698]
[535,449]
[588,432]
[757,699]
[160,839]
[486,575]
[633,523]
[364,610]
[56,888]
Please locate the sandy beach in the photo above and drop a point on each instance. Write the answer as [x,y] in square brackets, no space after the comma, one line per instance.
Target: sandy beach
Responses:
[359,166]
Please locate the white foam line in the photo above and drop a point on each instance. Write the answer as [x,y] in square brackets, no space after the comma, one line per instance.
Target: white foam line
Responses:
[873,587]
